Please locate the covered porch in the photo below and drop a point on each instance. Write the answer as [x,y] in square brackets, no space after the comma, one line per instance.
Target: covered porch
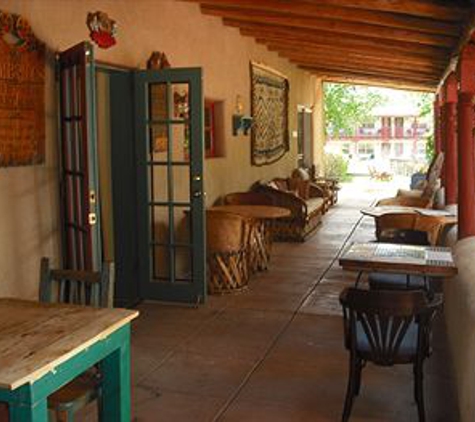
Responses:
[275,352]
[164,140]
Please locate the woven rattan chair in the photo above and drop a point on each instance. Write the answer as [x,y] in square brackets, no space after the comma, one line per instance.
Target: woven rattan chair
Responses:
[82,288]
[387,328]
[228,249]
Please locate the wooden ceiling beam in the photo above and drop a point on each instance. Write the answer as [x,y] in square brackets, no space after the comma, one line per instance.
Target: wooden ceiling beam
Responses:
[380,33]
[423,8]
[373,17]
[381,65]
[257,30]
[407,86]
[275,41]
[361,70]
[371,79]
[333,51]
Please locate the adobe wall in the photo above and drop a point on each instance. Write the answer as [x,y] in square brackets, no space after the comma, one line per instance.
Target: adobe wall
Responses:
[29,206]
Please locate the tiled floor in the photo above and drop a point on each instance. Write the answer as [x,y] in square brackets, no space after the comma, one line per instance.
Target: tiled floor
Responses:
[275,352]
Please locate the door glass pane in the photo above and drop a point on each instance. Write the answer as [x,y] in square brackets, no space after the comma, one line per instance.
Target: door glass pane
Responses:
[161,262]
[158,183]
[182,226]
[181,184]
[183,266]
[159,225]
[180,142]
[158,142]
[158,102]
[181,104]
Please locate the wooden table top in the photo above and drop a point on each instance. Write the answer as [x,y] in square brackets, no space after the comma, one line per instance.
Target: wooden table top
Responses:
[36,337]
[401,259]
[389,209]
[254,211]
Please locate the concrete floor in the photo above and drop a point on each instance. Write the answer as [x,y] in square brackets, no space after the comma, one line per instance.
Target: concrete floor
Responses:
[275,352]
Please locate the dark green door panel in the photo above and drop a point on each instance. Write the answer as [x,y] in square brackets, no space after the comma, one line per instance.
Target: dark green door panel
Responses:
[170,197]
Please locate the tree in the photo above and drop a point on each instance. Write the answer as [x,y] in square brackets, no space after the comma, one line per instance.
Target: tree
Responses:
[347,107]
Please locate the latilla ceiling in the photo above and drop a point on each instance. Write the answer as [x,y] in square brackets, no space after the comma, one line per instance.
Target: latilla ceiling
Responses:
[404,43]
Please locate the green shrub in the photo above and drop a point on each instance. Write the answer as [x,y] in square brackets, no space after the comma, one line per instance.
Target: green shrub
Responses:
[335,166]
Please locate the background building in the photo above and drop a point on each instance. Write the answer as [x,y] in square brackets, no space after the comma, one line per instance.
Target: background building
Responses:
[394,141]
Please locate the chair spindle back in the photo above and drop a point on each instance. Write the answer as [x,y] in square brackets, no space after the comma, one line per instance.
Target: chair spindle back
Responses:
[76,287]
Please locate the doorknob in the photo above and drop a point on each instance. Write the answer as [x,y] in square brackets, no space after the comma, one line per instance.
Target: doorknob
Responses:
[92,218]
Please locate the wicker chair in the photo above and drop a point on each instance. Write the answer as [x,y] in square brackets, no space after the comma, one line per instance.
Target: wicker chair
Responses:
[228,251]
[387,328]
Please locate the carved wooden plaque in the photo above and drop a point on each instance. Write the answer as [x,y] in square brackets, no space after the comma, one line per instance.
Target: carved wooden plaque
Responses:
[22,93]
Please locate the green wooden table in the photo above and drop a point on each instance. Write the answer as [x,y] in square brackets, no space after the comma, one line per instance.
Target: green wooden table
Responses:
[45,346]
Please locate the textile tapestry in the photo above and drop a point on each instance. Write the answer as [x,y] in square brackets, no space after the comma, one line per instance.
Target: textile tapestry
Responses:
[270,111]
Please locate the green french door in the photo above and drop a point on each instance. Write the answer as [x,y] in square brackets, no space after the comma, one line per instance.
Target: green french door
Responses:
[80,218]
[169,140]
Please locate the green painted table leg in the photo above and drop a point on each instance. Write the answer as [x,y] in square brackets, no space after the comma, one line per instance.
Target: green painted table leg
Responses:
[115,369]
[32,413]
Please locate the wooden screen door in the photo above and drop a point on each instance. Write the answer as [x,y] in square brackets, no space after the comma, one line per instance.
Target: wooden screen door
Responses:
[169,139]
[81,235]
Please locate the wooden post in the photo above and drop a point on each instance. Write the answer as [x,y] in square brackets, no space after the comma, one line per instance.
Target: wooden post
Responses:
[450,138]
[466,159]
[437,125]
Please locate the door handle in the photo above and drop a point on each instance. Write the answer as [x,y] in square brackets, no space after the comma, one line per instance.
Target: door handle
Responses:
[197,194]
[92,218]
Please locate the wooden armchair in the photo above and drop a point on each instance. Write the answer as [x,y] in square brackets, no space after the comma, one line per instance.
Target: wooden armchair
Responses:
[424,197]
[81,288]
[387,328]
[228,242]
[306,213]
[247,198]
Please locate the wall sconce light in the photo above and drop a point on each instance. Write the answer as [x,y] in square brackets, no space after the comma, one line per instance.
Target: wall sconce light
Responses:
[241,122]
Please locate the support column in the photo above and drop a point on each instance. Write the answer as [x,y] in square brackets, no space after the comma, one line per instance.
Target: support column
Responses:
[449,112]
[466,146]
[466,168]
[437,125]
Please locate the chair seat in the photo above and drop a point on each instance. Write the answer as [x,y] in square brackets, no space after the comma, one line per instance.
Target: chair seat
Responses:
[413,193]
[406,352]
[387,281]
[404,236]
[77,393]
[314,205]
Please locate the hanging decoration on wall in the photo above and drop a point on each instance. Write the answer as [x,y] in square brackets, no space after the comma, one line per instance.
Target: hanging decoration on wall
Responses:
[102,29]
[158,60]
[269,109]
[22,93]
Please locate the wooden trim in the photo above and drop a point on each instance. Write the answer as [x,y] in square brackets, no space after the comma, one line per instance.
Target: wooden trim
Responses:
[268,69]
[328,38]
[333,26]
[308,9]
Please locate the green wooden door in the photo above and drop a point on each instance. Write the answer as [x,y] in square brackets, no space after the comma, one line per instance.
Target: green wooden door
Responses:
[169,141]
[80,218]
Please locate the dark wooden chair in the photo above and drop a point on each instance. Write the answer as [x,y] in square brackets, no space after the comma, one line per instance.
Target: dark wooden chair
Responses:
[82,288]
[387,328]
[248,198]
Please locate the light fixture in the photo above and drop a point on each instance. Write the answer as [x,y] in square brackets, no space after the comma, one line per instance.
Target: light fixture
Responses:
[240,122]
